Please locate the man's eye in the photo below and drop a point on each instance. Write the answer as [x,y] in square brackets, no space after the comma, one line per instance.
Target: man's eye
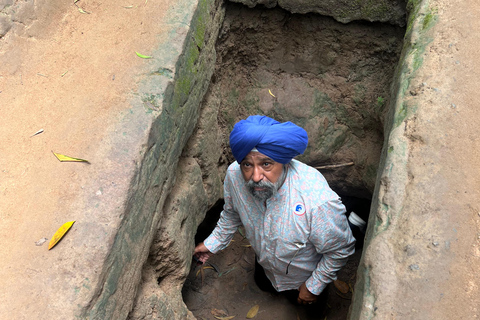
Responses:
[266,164]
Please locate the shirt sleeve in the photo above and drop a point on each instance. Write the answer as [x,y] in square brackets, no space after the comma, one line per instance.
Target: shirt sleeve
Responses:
[228,223]
[332,238]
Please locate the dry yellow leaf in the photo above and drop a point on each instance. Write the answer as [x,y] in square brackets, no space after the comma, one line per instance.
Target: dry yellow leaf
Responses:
[225,318]
[203,268]
[60,233]
[253,311]
[271,93]
[64,158]
[341,286]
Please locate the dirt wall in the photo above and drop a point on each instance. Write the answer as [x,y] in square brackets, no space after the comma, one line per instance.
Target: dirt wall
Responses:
[330,78]
[342,11]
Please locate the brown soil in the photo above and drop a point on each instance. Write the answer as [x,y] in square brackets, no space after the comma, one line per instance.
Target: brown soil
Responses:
[71,74]
[233,290]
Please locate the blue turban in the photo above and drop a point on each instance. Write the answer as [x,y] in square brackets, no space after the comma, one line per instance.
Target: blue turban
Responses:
[279,141]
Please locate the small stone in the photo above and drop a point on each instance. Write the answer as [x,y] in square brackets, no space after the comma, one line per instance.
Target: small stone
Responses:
[435,243]
[99,193]
[41,241]
[414,267]
[454,105]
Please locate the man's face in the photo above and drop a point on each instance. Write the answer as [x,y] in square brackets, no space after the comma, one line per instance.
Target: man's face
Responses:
[262,175]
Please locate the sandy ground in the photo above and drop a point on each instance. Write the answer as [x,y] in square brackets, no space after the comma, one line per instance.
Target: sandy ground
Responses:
[71,74]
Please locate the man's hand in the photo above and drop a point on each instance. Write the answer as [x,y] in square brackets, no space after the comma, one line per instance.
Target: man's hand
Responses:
[304,296]
[202,253]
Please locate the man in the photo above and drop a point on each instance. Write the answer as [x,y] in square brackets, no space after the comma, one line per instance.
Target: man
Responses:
[295,223]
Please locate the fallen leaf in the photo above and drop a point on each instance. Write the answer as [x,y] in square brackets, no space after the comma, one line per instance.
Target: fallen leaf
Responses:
[225,318]
[143,56]
[60,233]
[242,233]
[271,93]
[128,7]
[83,11]
[246,245]
[64,73]
[341,286]
[202,272]
[253,311]
[226,272]
[215,267]
[64,158]
[218,312]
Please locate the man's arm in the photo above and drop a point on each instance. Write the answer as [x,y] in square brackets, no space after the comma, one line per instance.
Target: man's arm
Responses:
[333,238]
[226,226]
[223,233]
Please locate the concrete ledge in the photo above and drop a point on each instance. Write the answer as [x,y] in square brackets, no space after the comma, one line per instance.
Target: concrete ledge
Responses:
[422,230]
[132,127]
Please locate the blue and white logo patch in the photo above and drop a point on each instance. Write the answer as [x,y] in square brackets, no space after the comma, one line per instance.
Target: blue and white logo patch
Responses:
[299,209]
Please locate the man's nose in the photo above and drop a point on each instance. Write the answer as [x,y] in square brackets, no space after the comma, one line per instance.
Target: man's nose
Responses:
[257,174]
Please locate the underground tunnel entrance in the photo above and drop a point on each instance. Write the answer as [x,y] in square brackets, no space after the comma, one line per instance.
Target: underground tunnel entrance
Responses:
[330,78]
[227,286]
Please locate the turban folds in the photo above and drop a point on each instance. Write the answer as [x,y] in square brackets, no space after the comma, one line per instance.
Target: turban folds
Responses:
[279,141]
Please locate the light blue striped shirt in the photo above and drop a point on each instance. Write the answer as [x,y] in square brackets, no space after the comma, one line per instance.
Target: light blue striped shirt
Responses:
[304,223]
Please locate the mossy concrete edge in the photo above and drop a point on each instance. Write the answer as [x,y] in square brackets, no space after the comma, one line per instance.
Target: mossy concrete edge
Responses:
[373,288]
[170,97]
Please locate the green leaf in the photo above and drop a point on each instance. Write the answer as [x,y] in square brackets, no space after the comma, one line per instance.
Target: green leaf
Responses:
[143,56]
